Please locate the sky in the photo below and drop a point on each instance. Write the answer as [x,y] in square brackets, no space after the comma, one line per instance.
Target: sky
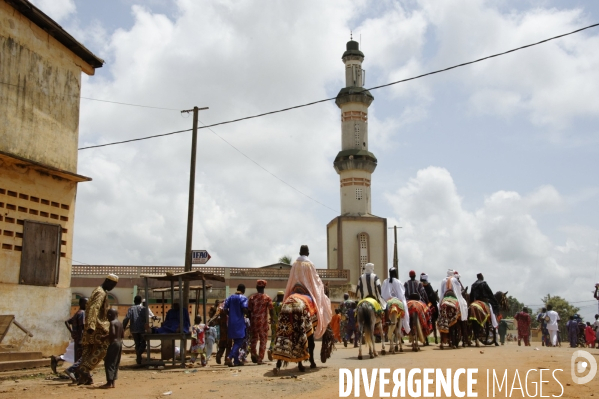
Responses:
[488,168]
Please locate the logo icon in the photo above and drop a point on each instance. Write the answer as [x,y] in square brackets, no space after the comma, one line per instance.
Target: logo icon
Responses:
[580,367]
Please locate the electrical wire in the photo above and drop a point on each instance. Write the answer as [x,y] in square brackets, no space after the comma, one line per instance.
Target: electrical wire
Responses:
[372,88]
[269,172]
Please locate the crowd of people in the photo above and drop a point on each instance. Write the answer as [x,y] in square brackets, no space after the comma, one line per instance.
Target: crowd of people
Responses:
[239,326]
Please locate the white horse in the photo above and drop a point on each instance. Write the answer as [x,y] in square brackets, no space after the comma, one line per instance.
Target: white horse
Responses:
[396,313]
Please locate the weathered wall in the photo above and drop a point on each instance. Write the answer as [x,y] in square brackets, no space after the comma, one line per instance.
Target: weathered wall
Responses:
[25,194]
[42,310]
[40,107]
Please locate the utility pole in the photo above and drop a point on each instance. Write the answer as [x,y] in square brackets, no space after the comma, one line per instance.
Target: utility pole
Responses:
[192,182]
[395,247]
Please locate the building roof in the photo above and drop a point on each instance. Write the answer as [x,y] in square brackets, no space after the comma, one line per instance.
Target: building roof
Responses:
[39,18]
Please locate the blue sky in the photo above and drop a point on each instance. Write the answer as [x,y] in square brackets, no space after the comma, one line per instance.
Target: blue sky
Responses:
[492,167]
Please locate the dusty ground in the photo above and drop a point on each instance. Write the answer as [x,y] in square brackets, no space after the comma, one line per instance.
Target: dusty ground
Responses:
[254,381]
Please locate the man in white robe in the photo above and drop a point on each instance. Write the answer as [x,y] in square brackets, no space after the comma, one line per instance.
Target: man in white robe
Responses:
[393,288]
[452,283]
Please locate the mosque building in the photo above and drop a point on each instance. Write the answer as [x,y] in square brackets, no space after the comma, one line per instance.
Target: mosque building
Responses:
[356,237]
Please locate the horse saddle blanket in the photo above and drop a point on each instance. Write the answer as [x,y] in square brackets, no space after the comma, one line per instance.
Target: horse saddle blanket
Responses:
[424,315]
[397,305]
[479,312]
[306,300]
[375,304]
[449,313]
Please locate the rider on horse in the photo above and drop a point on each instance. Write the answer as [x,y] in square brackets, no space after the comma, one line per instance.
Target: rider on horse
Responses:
[480,291]
[392,288]
[304,274]
[369,286]
[415,288]
[452,283]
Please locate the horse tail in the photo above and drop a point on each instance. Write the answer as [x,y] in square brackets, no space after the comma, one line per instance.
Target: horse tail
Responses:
[365,321]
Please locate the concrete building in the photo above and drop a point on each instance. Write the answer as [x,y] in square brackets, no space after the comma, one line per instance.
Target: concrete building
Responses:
[40,86]
[356,237]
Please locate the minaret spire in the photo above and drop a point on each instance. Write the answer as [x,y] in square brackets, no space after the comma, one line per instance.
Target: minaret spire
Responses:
[354,163]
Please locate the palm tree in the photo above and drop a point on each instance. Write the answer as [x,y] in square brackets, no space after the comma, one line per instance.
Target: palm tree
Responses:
[285,259]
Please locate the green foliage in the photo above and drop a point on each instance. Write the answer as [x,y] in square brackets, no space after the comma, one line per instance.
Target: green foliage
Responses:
[285,259]
[562,307]
[514,306]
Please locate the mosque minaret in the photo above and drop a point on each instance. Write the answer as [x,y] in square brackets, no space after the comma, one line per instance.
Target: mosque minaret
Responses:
[356,237]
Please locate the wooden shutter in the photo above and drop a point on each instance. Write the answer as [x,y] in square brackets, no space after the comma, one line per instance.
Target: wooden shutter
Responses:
[40,257]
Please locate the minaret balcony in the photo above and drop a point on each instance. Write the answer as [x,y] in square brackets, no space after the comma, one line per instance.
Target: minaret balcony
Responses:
[355,160]
[354,95]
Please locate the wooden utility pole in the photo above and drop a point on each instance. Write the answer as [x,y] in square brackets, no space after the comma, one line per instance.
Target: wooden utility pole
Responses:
[192,182]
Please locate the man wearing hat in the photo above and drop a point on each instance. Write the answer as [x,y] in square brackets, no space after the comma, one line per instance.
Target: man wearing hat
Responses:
[369,285]
[95,339]
[452,283]
[259,307]
[392,288]
[481,291]
[415,289]
[274,320]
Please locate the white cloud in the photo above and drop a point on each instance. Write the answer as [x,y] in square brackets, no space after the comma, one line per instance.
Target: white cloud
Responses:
[501,239]
[59,10]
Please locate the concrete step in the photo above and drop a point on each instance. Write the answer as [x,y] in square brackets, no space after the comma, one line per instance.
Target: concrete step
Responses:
[13,356]
[23,364]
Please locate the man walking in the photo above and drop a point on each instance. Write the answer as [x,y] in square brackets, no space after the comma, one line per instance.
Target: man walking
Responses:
[344,309]
[75,325]
[274,320]
[137,315]
[552,319]
[543,326]
[523,320]
[97,328]
[259,307]
[236,306]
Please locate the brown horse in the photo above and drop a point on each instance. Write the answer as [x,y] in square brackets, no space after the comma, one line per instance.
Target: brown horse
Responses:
[420,327]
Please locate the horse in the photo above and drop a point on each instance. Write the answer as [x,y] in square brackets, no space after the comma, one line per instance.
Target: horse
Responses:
[450,324]
[295,333]
[420,327]
[434,316]
[480,319]
[396,313]
[368,320]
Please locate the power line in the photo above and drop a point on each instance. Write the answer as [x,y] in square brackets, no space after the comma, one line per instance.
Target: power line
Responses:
[269,172]
[129,104]
[372,88]
[96,99]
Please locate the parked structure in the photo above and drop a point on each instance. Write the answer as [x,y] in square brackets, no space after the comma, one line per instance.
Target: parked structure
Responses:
[40,86]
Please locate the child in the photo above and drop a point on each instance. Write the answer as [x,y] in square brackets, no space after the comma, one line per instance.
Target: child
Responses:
[198,342]
[113,354]
[211,337]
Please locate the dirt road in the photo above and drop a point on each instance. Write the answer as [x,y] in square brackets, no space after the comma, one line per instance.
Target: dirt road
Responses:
[252,381]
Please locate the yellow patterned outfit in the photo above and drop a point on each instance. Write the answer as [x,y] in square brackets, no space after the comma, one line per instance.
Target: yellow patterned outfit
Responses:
[95,344]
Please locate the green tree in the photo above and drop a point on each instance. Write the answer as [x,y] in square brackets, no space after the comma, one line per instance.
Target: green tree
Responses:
[285,259]
[514,306]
